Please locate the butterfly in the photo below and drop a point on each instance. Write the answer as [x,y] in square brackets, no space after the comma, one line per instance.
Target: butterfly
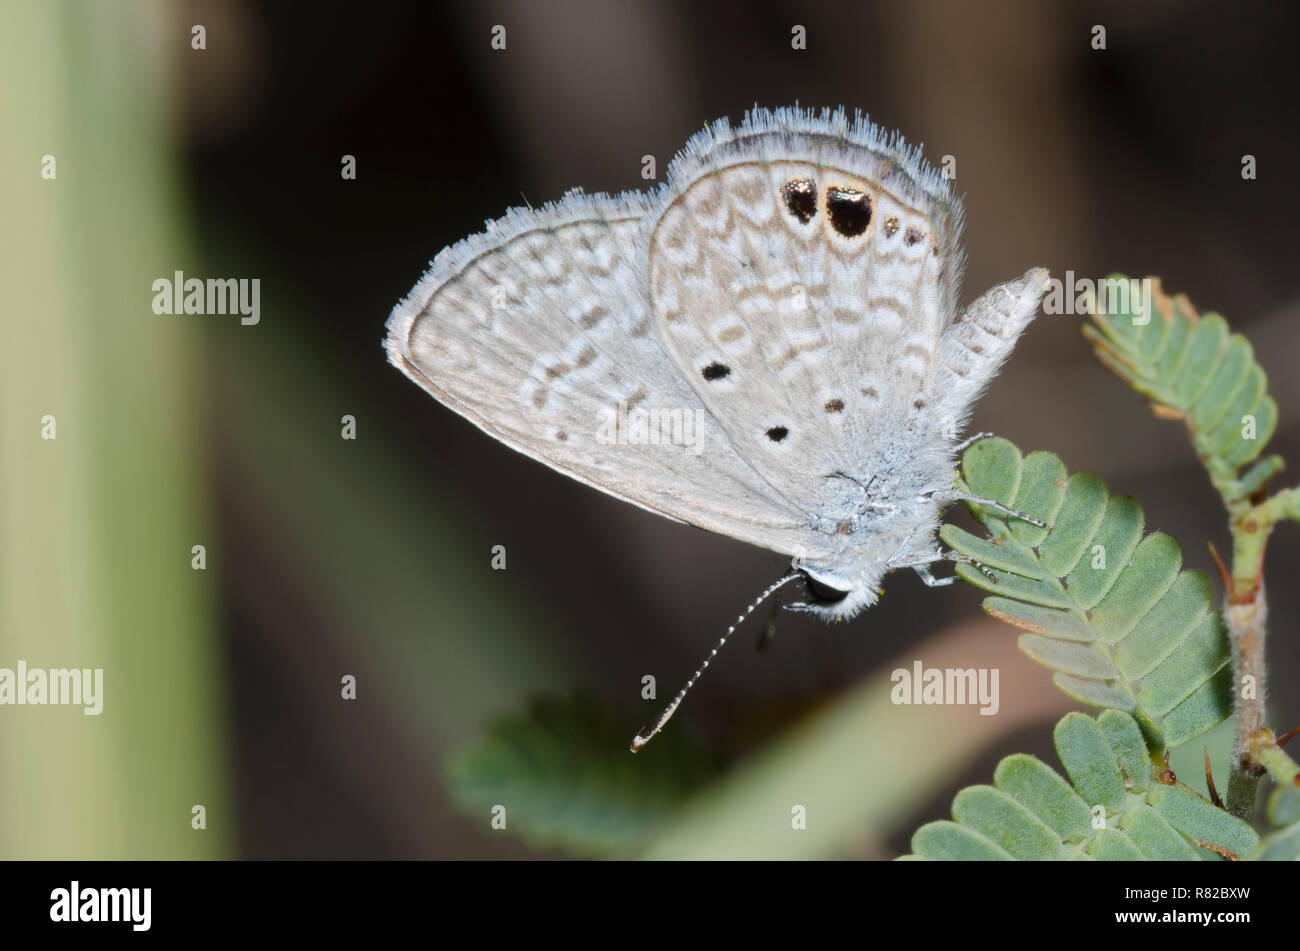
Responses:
[768,346]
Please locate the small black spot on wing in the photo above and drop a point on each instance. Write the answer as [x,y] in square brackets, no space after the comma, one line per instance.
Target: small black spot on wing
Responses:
[715,371]
[777,433]
[834,406]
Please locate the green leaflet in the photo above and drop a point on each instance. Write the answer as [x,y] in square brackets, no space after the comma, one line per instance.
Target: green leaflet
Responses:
[1283,844]
[1284,805]
[562,772]
[1280,846]
[1192,369]
[1113,808]
[1108,609]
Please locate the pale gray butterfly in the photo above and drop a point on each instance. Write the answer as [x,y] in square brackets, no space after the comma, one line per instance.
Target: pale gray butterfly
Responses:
[767,346]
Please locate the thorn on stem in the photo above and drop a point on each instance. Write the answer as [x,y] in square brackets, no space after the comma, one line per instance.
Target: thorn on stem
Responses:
[1209,780]
[1281,740]
[1223,569]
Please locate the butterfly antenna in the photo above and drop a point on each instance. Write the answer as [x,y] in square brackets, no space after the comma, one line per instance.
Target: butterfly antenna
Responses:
[654,726]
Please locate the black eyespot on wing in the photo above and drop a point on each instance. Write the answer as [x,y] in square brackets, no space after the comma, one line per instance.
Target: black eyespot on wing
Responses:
[715,371]
[777,433]
[849,210]
[822,593]
[800,199]
[912,237]
[834,406]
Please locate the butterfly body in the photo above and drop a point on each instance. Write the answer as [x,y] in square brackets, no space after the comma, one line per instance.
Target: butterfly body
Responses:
[768,346]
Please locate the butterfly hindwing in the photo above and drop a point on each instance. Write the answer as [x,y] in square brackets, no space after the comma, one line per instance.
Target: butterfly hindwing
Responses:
[801,282]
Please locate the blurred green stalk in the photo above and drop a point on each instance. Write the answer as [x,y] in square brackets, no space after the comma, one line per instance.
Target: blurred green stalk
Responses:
[98,523]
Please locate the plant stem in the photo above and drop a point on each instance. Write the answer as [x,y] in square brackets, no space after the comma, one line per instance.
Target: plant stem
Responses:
[1245,616]
[1269,756]
[1245,623]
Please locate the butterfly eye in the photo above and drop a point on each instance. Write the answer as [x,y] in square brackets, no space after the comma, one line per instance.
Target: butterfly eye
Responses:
[801,199]
[849,210]
[822,593]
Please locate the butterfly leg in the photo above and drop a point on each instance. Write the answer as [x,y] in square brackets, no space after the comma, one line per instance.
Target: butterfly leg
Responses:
[920,563]
[967,443]
[953,495]
[930,580]
[973,562]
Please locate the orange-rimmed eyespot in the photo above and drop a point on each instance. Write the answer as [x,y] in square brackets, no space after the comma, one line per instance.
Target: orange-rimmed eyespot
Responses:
[849,210]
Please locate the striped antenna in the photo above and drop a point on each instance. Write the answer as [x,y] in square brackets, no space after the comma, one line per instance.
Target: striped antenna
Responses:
[654,726]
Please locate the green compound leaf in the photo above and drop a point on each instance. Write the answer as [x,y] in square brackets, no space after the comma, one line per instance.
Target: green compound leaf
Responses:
[564,776]
[1193,369]
[1107,608]
[1284,805]
[1282,845]
[1113,807]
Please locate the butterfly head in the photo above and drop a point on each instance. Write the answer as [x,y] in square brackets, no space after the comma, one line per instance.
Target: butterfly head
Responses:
[882,534]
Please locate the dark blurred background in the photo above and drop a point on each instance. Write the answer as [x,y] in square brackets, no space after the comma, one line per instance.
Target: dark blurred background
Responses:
[372,557]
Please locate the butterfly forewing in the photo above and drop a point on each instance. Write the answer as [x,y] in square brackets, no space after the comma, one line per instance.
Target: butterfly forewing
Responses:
[539,333]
